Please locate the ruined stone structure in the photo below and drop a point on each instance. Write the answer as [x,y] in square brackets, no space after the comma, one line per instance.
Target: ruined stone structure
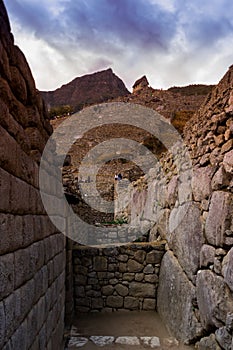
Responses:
[117,278]
[32,252]
[190,206]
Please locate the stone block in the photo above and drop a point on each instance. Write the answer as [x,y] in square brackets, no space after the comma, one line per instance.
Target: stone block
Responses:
[131,303]
[223,337]
[26,299]
[184,188]
[134,266]
[107,290]
[220,180]
[139,256]
[229,322]
[201,183]
[208,343]
[144,290]
[20,199]
[228,161]
[6,274]
[5,185]
[207,255]
[122,267]
[151,278]
[80,280]
[115,302]
[22,267]
[154,257]
[175,300]
[122,290]
[19,338]
[172,191]
[93,293]
[185,236]
[128,277]
[214,299]
[149,304]
[139,277]
[28,230]
[10,311]
[217,222]
[100,263]
[149,269]
[79,291]
[9,241]
[32,321]
[123,257]
[2,324]
[227,269]
[97,303]
[42,338]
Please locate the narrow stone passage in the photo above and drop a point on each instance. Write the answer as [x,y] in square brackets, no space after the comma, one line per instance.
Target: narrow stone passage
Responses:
[121,330]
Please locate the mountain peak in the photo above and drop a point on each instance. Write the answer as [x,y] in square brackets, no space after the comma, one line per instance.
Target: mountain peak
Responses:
[140,84]
[86,90]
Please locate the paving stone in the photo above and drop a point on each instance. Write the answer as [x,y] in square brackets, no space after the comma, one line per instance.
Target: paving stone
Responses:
[127,341]
[152,342]
[77,342]
[102,340]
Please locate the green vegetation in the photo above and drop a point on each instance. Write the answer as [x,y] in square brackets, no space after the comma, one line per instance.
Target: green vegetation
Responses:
[60,111]
[194,89]
[119,221]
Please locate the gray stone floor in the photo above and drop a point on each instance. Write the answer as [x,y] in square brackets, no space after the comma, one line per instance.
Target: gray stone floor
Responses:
[121,330]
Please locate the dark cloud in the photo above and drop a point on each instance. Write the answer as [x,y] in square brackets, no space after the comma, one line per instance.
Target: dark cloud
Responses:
[205,23]
[169,40]
[122,22]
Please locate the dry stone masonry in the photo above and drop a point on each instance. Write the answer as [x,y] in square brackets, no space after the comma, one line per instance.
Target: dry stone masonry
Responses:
[32,251]
[117,278]
[192,210]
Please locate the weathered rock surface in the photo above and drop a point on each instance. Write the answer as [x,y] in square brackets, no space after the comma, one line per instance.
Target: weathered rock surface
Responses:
[187,238]
[227,269]
[214,299]
[176,295]
[219,218]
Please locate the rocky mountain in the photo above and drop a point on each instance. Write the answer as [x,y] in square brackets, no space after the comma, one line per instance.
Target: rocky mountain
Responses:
[86,90]
[178,104]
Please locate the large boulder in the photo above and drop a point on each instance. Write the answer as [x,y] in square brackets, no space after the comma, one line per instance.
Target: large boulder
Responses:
[219,219]
[176,300]
[185,236]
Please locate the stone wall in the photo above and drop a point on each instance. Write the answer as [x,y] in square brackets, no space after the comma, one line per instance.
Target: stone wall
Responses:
[32,251]
[191,206]
[117,278]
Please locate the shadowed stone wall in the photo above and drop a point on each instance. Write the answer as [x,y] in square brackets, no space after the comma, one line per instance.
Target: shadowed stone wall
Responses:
[118,278]
[32,251]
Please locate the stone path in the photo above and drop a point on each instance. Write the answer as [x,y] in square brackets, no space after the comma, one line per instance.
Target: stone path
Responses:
[121,330]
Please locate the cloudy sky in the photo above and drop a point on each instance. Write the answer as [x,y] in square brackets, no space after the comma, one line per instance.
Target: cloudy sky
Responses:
[173,42]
